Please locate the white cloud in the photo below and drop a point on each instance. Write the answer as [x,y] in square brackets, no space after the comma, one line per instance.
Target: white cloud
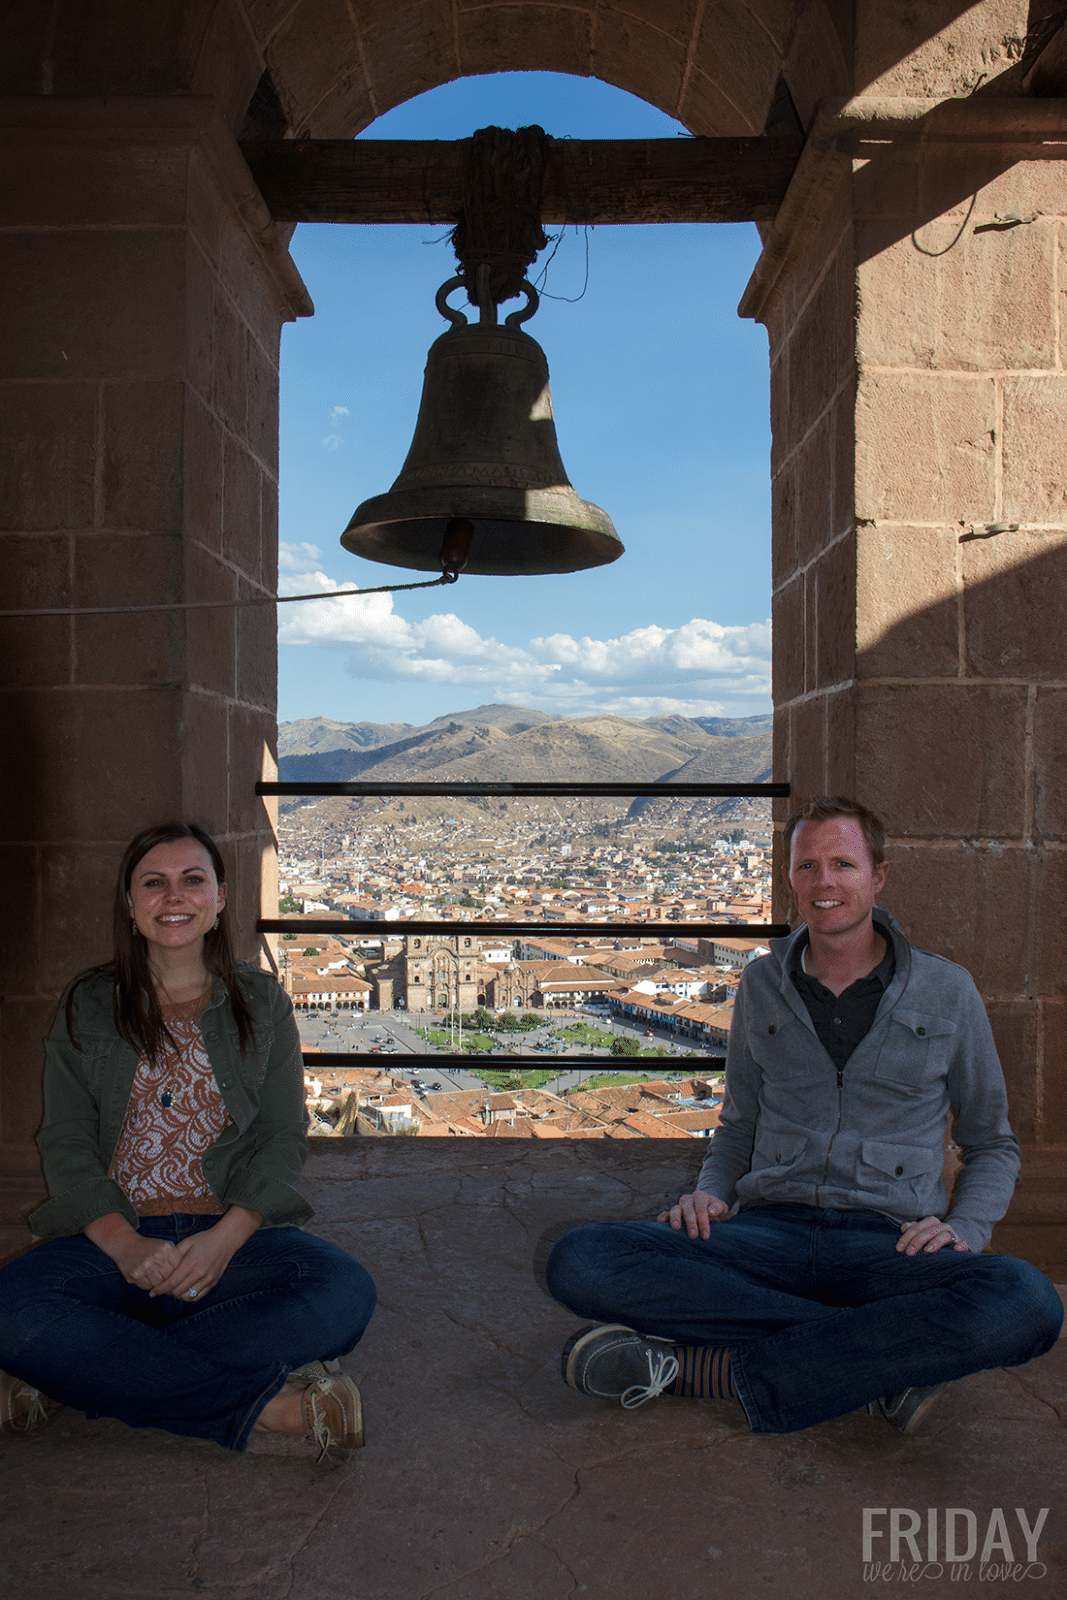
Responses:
[692,670]
[337,413]
[332,441]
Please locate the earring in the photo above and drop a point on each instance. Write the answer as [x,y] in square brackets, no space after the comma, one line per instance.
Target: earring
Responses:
[215,924]
[133,925]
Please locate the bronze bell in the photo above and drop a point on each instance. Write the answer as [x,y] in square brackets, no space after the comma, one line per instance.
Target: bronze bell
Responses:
[484,473]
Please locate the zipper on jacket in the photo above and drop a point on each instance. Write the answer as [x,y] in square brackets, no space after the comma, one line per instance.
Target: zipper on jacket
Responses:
[837,1130]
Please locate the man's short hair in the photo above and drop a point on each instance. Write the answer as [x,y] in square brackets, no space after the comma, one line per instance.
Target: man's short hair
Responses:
[827,806]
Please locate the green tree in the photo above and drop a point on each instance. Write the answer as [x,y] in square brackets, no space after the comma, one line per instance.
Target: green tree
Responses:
[483,1018]
[287,906]
[625,1046]
[311,951]
[509,1023]
[529,1020]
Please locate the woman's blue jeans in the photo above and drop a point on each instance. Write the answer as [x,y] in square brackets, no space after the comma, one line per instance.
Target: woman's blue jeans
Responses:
[820,1312]
[73,1327]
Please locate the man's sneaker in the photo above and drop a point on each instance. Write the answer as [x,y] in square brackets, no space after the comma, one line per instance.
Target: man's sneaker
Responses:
[22,1407]
[907,1408]
[615,1363]
[333,1414]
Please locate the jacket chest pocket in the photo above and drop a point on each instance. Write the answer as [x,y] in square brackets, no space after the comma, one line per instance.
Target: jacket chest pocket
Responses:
[917,1049]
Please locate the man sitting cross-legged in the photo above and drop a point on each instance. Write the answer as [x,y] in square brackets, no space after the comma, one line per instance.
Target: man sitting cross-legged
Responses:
[816,1266]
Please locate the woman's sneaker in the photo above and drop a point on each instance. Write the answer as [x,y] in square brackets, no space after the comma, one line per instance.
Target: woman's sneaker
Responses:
[613,1362]
[333,1414]
[23,1409]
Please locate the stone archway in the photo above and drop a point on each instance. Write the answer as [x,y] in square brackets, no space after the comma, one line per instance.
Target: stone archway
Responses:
[138,412]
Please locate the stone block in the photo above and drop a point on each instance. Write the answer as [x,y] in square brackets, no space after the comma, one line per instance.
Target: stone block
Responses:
[23,1026]
[806,772]
[200,279]
[1015,1025]
[404,51]
[261,371]
[112,301]
[925,448]
[34,572]
[943,50]
[77,886]
[788,641]
[202,470]
[525,38]
[229,376]
[127,51]
[205,762]
[1050,764]
[1013,587]
[1048,898]
[818,354]
[907,605]
[229,63]
[832,616]
[20,930]
[142,461]
[72,179]
[945,760]
[247,902]
[635,55]
[843,459]
[348,109]
[252,735]
[732,51]
[973,906]
[210,632]
[1035,484]
[47,455]
[783,524]
[257,655]
[815,491]
[986,302]
[840,768]
[139,647]
[884,183]
[675,17]
[310,46]
[93,764]
[242,543]
[1054,1073]
[975,182]
[781,429]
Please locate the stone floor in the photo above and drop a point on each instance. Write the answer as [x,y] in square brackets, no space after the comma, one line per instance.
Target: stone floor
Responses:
[484,1477]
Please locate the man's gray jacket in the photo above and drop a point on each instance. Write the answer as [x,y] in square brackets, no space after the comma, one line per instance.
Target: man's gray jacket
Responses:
[869,1137]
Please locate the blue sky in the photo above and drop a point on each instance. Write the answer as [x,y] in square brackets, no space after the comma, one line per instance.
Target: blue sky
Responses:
[660,398]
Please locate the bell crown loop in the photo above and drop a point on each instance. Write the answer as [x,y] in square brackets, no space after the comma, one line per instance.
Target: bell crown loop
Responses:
[487,309]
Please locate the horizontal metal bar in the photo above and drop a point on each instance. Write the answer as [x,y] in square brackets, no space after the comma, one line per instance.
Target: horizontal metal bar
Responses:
[339,1058]
[612,930]
[460,790]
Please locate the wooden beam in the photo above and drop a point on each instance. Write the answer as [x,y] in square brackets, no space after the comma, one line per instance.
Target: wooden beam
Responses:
[586,180]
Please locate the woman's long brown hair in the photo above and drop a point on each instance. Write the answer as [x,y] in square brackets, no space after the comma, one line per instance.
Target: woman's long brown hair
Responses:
[136,1010]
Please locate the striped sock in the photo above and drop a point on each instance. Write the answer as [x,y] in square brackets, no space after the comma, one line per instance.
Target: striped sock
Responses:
[703,1373]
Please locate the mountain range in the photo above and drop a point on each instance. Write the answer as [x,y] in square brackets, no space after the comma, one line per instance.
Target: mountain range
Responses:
[501,743]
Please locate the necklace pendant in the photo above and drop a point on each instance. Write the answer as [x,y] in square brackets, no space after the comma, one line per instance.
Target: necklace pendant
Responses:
[165,1100]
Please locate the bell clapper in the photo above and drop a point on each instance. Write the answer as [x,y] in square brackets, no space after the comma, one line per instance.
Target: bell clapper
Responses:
[456,546]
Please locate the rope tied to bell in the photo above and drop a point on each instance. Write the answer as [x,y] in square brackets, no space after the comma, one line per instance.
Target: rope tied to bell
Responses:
[501,177]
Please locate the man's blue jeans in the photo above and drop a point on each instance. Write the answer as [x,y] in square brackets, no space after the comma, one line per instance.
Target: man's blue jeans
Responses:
[820,1312]
[73,1327]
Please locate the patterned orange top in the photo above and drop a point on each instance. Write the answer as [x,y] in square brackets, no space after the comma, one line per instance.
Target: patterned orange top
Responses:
[175,1114]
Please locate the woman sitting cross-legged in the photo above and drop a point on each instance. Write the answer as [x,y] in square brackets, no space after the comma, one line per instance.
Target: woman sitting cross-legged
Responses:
[175,1288]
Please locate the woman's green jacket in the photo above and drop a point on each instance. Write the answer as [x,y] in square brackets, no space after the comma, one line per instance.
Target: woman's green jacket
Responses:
[255,1162]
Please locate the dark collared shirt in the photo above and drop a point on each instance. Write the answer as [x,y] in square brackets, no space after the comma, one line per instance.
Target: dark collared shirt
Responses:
[842,1020]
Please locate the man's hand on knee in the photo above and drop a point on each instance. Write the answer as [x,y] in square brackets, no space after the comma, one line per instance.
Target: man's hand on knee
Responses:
[929,1235]
[695,1213]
